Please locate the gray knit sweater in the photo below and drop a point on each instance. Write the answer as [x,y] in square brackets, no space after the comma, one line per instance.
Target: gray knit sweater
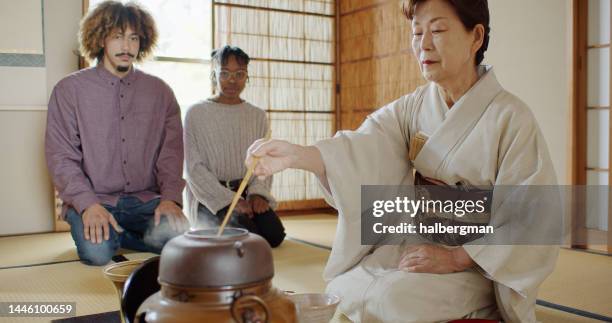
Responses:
[217,137]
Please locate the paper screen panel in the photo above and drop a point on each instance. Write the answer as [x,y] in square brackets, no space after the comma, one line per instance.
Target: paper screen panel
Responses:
[291,74]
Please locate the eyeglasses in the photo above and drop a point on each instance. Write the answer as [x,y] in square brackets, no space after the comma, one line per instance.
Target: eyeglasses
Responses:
[240,75]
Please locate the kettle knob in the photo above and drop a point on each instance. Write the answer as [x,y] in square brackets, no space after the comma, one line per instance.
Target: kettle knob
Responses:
[239,248]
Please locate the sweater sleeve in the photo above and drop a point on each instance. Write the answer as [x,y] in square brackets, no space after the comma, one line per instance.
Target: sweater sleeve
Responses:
[201,181]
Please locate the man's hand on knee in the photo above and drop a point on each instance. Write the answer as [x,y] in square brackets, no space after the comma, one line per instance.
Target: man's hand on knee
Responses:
[173,213]
[95,223]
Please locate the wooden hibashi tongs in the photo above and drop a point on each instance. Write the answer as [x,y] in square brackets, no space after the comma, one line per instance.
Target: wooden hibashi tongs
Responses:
[241,188]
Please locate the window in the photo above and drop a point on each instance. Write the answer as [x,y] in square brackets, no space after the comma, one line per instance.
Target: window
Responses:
[292,74]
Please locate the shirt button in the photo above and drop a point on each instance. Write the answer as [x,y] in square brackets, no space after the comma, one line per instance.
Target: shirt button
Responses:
[123,140]
[128,183]
[125,162]
[121,95]
[122,117]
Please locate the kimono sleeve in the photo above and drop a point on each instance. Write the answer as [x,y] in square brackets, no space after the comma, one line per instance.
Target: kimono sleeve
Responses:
[374,154]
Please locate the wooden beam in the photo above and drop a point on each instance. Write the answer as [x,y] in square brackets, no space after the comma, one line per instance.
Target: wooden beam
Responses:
[579,12]
[609,233]
[258,59]
[337,70]
[598,169]
[597,46]
[297,12]
[302,205]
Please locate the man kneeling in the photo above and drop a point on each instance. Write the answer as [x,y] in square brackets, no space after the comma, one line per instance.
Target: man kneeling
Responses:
[114,141]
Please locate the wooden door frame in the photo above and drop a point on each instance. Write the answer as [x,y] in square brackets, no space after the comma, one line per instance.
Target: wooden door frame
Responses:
[581,236]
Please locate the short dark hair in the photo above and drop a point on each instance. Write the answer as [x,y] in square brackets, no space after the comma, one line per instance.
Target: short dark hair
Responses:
[470,12]
[220,55]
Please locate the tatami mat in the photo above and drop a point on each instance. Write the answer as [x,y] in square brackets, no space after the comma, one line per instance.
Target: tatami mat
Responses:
[61,282]
[58,247]
[318,229]
[549,315]
[299,267]
[581,280]
[65,282]
[36,249]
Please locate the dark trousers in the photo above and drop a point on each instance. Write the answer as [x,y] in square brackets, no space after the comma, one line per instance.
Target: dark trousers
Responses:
[266,224]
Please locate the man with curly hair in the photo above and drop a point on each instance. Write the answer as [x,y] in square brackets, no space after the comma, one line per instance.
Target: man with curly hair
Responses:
[114,141]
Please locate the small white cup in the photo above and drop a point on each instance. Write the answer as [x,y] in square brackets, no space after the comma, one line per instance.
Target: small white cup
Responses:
[315,307]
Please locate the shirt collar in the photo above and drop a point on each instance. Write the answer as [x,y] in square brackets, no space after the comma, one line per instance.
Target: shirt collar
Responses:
[110,77]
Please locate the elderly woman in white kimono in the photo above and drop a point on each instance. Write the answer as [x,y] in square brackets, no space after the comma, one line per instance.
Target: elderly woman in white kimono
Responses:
[478,134]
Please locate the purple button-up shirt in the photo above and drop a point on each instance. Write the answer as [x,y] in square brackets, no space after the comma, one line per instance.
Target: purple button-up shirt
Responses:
[107,137]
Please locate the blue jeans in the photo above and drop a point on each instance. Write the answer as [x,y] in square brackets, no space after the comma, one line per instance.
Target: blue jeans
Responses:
[140,234]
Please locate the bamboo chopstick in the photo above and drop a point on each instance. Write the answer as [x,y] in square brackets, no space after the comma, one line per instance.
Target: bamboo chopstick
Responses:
[241,188]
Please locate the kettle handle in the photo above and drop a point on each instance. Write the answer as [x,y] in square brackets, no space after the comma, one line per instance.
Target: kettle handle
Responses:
[243,313]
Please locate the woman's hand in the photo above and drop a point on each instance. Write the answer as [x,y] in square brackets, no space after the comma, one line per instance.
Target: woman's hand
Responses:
[275,156]
[244,207]
[258,204]
[434,259]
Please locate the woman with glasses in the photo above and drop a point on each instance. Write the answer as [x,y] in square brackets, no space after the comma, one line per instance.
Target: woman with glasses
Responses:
[218,132]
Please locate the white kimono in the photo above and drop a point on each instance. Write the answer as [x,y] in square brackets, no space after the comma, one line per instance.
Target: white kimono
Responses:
[489,137]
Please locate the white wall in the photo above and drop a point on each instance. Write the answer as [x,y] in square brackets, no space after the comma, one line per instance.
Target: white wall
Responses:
[23,16]
[529,49]
[26,195]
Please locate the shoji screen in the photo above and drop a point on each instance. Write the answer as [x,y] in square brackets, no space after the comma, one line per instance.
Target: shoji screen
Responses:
[592,122]
[292,76]
[598,104]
